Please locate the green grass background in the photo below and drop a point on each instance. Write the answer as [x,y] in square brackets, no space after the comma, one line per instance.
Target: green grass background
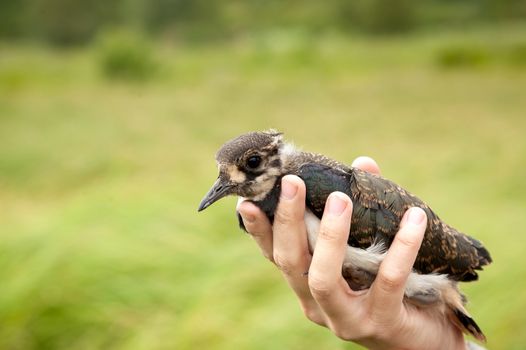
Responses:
[101,246]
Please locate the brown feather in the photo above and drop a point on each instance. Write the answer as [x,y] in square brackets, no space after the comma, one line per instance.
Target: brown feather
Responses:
[443,250]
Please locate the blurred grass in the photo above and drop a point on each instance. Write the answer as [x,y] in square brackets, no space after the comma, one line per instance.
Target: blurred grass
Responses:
[101,245]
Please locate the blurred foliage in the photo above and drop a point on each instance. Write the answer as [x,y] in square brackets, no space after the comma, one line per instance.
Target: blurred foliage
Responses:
[67,22]
[198,20]
[378,16]
[504,9]
[126,55]
[518,54]
[462,56]
[471,54]
[12,19]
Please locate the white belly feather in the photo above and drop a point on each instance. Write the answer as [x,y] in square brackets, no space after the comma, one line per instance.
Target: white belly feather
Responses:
[370,259]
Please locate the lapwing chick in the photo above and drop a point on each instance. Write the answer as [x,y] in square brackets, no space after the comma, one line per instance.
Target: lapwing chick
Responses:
[252,165]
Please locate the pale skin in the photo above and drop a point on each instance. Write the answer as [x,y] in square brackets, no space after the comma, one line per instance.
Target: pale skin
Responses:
[375,318]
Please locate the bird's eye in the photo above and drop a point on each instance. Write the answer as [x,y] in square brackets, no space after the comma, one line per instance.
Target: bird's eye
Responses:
[253,162]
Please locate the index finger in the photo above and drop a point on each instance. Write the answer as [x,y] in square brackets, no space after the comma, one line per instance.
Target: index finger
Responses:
[257,224]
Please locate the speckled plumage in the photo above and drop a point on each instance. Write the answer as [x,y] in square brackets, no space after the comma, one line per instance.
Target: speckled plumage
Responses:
[378,207]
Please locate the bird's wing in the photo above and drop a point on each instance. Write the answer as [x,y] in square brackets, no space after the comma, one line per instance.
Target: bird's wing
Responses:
[378,207]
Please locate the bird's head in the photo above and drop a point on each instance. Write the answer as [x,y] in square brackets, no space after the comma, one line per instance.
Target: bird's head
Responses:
[249,166]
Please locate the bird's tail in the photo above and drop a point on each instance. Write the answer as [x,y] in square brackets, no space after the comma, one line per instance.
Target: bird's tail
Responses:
[467,324]
[459,316]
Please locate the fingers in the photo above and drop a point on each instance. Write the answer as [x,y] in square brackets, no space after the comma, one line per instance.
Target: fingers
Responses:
[388,289]
[325,276]
[286,242]
[258,225]
[291,252]
[366,164]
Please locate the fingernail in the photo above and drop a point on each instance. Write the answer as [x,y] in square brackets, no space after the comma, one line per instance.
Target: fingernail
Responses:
[288,190]
[416,216]
[336,204]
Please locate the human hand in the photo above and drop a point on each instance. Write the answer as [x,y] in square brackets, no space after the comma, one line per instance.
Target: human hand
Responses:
[376,318]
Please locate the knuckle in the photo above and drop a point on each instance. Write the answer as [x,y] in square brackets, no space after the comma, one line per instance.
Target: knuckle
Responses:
[343,333]
[284,264]
[313,315]
[391,279]
[255,228]
[320,289]
[254,232]
[286,217]
[328,234]
[407,240]
[365,331]
[291,262]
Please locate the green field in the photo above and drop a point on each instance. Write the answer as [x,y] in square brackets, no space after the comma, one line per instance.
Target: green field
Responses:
[101,246]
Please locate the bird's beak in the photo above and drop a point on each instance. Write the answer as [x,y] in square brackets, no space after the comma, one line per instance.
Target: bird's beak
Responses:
[219,190]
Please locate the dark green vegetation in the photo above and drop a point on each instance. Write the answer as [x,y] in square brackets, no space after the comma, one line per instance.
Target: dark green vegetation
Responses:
[73,22]
[100,242]
[126,56]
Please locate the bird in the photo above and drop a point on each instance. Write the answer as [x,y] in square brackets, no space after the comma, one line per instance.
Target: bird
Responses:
[252,165]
